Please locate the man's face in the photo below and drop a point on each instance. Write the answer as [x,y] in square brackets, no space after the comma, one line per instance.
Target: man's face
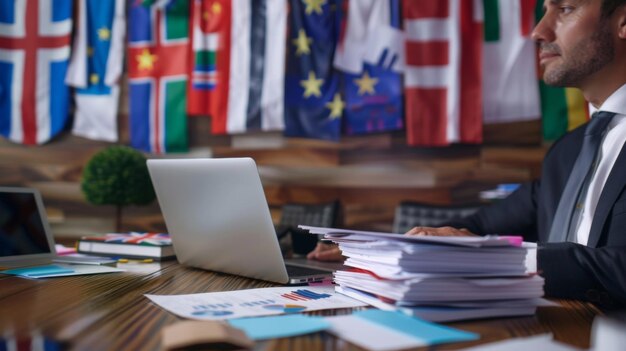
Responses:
[573,42]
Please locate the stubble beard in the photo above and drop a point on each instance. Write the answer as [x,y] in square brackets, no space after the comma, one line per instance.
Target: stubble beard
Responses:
[583,60]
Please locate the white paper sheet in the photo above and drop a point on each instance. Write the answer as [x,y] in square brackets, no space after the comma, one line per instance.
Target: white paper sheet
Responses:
[345,235]
[253,302]
[386,331]
[543,342]
[371,336]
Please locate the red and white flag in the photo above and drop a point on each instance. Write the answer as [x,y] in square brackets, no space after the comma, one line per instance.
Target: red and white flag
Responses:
[443,71]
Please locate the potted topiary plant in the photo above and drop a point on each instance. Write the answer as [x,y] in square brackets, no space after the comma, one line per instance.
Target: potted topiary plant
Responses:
[118,176]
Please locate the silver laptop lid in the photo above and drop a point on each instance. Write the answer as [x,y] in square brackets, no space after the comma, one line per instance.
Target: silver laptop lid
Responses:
[216,213]
[25,237]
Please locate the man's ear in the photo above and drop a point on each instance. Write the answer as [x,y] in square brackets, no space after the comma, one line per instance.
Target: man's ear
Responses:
[621,15]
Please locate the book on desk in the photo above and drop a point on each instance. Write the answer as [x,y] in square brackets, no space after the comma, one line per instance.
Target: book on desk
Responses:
[157,246]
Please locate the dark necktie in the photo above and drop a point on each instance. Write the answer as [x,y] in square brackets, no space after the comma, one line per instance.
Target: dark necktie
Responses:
[580,175]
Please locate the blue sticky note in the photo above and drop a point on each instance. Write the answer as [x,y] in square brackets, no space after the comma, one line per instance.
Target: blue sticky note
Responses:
[261,328]
[38,271]
[431,333]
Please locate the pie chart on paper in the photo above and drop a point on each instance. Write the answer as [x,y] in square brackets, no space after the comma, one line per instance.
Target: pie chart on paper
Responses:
[286,308]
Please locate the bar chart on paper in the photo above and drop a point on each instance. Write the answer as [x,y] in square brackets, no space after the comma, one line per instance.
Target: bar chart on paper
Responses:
[253,302]
[304,295]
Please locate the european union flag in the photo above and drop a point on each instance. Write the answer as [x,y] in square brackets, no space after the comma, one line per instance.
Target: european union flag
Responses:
[100,18]
[96,67]
[313,105]
[370,58]
[373,100]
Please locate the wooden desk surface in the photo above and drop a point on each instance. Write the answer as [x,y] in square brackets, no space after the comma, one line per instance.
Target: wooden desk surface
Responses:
[109,311]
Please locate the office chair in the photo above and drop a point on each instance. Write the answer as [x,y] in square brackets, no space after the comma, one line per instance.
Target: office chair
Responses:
[318,215]
[411,214]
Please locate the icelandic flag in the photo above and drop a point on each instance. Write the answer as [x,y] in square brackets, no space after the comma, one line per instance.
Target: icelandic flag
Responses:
[313,104]
[157,72]
[96,67]
[370,55]
[34,54]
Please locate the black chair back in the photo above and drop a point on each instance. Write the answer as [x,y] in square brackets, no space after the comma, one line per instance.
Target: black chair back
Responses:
[413,214]
[318,215]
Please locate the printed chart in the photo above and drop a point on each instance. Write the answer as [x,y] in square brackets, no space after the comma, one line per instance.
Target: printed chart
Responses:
[304,295]
[253,302]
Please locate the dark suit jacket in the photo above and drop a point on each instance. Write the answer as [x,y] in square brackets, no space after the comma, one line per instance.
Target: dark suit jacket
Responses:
[596,272]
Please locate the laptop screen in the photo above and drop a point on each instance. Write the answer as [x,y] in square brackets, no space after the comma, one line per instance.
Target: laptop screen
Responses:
[22,231]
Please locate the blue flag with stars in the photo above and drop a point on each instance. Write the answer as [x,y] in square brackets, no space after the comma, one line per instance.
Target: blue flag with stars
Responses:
[370,57]
[96,67]
[313,105]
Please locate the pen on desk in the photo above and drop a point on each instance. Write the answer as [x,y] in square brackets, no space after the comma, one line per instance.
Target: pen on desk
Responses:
[126,260]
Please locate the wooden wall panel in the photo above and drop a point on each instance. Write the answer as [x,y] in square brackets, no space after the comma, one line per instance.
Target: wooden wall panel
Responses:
[370,174]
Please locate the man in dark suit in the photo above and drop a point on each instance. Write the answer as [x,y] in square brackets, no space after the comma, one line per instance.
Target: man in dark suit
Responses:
[576,213]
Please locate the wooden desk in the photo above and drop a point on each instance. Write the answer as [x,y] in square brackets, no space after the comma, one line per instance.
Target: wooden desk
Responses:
[109,311]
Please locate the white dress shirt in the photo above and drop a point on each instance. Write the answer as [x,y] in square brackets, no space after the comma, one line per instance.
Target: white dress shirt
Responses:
[612,144]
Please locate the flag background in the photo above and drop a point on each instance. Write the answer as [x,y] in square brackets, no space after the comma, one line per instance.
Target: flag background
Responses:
[95,68]
[370,56]
[257,53]
[443,83]
[234,62]
[34,54]
[346,169]
[313,105]
[157,64]
[209,32]
[510,89]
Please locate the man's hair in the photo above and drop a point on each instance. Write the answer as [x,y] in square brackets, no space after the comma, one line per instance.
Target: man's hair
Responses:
[609,6]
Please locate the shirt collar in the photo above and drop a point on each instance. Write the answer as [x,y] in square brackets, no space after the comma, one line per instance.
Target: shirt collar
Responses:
[616,102]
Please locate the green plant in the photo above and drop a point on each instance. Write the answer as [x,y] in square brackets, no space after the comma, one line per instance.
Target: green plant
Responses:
[118,176]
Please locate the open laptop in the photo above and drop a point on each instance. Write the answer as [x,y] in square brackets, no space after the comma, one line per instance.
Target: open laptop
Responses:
[216,213]
[26,239]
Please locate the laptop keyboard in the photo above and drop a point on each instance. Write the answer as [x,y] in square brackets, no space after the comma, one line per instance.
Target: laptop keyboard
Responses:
[295,271]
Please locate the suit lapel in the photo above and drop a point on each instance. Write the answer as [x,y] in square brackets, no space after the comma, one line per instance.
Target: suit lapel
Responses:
[613,187]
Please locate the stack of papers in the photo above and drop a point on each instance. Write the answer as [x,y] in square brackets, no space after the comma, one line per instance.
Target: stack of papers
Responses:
[438,278]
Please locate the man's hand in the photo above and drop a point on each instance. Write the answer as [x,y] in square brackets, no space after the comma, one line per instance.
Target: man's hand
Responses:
[326,252]
[441,231]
